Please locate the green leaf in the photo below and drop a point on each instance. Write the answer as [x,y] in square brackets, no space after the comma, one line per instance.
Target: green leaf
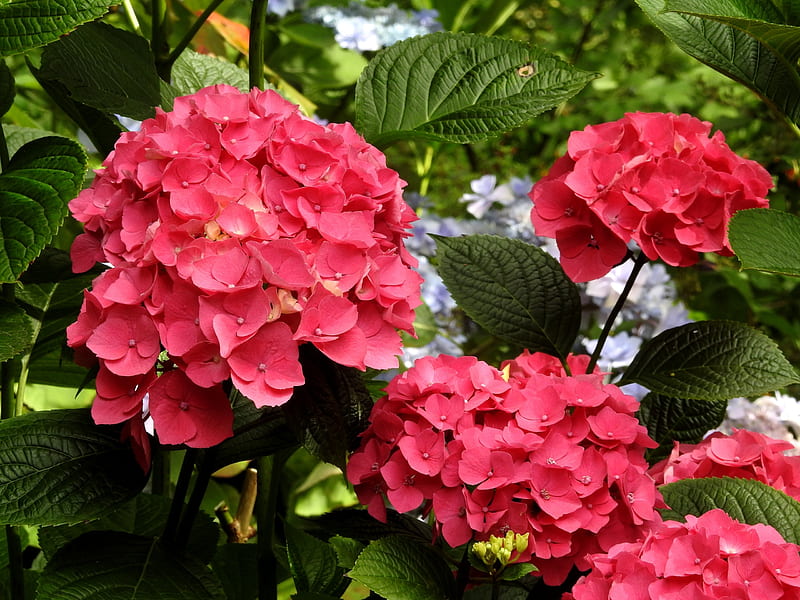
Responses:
[425,328]
[111,565]
[16,136]
[358,524]
[746,500]
[513,290]
[710,360]
[347,550]
[734,42]
[145,515]
[781,254]
[41,178]
[398,568]
[675,419]
[27,24]
[107,68]
[236,565]
[17,332]
[331,409]
[459,88]
[193,71]
[313,564]
[7,90]
[59,467]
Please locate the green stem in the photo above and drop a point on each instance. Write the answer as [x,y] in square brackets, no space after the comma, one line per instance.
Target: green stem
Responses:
[131,14]
[184,43]
[258,27]
[462,575]
[158,40]
[181,488]
[160,475]
[269,476]
[638,263]
[15,567]
[204,472]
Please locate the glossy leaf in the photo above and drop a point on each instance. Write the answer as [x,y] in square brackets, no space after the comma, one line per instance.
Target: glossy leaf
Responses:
[399,568]
[710,360]
[111,565]
[313,564]
[459,88]
[746,500]
[27,24]
[193,71]
[781,254]
[514,290]
[41,178]
[59,467]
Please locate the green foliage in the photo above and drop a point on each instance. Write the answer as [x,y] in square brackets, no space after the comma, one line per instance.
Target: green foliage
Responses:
[399,569]
[59,467]
[781,254]
[17,333]
[513,289]
[42,177]
[746,500]
[459,88]
[193,71]
[710,360]
[314,564]
[27,24]
[112,565]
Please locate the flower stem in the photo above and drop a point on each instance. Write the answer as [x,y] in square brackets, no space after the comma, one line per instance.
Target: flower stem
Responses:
[204,472]
[181,487]
[638,263]
[158,38]
[258,27]
[269,476]
[184,43]
[462,575]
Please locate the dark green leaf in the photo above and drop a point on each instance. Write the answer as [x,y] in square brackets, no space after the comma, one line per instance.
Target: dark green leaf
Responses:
[59,467]
[26,24]
[17,137]
[313,564]
[359,525]
[107,68]
[331,409]
[459,88]
[710,360]
[674,419]
[749,52]
[781,254]
[399,568]
[516,571]
[110,565]
[425,328]
[514,290]
[42,177]
[236,565]
[17,332]
[145,515]
[347,550]
[746,500]
[193,71]
[7,90]
[257,432]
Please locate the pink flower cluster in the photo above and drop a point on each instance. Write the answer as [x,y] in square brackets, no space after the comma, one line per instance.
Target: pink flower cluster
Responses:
[238,229]
[744,454]
[658,179]
[710,557]
[526,449]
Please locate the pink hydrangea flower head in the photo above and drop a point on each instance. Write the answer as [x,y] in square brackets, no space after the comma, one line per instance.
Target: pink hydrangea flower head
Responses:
[237,229]
[707,557]
[527,449]
[657,179]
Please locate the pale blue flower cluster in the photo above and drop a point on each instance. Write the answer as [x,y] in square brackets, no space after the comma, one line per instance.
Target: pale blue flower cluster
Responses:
[776,415]
[362,28]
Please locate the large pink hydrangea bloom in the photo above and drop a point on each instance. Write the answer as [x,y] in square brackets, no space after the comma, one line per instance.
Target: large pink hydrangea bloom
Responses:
[744,454]
[237,229]
[528,449]
[710,557]
[658,179]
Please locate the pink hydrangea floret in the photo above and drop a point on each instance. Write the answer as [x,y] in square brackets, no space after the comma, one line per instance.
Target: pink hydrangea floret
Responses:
[710,557]
[657,179]
[237,230]
[527,448]
[743,454]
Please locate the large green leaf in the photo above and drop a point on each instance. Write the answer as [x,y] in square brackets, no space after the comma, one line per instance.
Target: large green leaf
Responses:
[26,24]
[107,68]
[17,331]
[746,500]
[671,420]
[111,565]
[359,525]
[514,290]
[777,253]
[330,410]
[710,360]
[7,90]
[41,178]
[313,564]
[59,467]
[193,71]
[734,37]
[459,88]
[400,568]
